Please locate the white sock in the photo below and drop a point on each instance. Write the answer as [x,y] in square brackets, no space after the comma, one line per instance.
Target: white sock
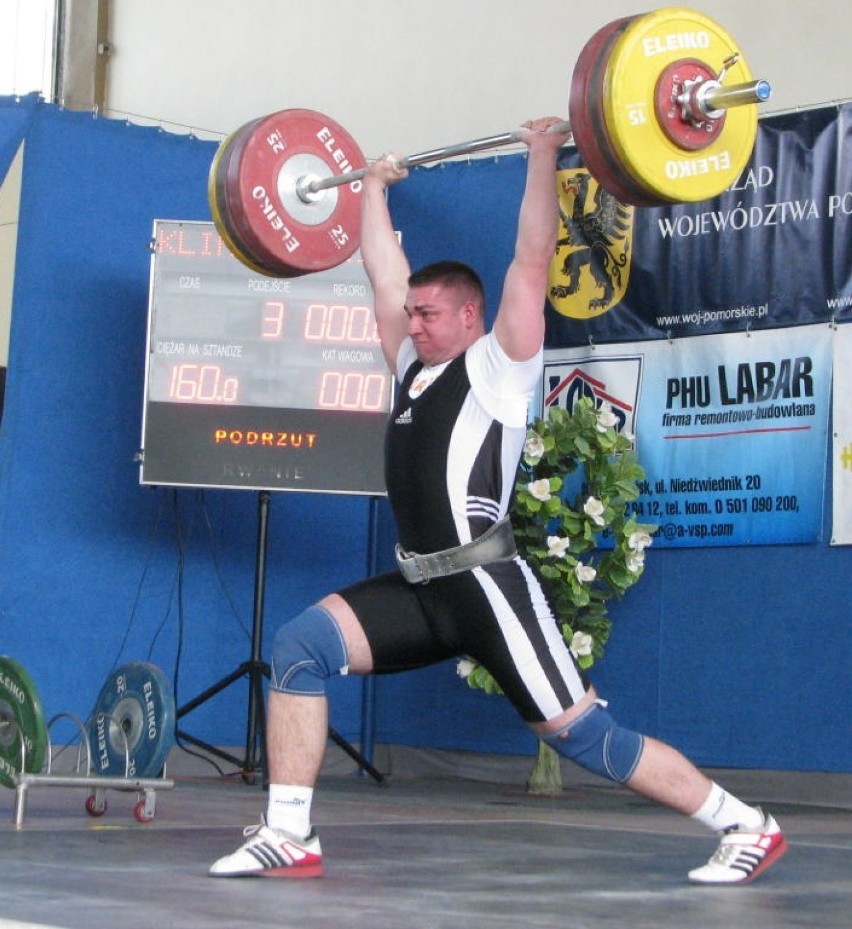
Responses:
[289,809]
[722,811]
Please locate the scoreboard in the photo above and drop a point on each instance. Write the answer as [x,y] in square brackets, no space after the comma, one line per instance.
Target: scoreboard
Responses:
[259,382]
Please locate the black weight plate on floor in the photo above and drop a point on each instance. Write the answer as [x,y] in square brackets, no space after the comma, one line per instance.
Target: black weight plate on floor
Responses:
[132,727]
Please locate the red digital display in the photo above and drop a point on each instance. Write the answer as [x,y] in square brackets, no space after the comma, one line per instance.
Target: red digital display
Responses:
[352,390]
[338,390]
[354,325]
[192,383]
[222,335]
[291,360]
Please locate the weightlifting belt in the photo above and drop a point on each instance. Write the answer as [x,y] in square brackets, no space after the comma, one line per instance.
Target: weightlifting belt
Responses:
[495,544]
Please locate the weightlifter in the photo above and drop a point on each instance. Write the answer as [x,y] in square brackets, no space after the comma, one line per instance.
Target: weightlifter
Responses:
[453,444]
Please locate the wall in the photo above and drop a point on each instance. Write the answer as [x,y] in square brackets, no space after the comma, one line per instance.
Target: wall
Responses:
[410,76]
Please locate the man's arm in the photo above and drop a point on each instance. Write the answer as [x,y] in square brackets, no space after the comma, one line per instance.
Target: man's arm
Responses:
[384,260]
[519,325]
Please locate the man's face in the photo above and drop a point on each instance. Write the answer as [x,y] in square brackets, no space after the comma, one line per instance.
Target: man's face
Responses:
[441,323]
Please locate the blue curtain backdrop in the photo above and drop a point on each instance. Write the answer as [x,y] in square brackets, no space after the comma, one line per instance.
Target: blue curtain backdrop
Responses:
[95,569]
[724,652]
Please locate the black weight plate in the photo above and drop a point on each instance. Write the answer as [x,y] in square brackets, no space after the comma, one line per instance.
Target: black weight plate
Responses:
[622,183]
[20,713]
[587,123]
[217,198]
[132,728]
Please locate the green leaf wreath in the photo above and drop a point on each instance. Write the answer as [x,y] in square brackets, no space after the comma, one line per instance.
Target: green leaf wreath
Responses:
[576,481]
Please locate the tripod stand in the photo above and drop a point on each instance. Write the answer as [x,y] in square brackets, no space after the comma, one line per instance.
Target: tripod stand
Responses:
[256,669]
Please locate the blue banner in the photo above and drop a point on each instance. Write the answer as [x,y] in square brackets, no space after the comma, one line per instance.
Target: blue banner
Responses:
[774,250]
[730,429]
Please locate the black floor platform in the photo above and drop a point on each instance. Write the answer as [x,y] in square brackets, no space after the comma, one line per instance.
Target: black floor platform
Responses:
[412,853]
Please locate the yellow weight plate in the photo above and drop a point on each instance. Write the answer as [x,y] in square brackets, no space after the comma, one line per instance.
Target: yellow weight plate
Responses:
[587,118]
[650,153]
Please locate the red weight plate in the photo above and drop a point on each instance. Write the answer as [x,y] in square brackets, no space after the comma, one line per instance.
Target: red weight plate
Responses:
[229,195]
[238,211]
[585,137]
[280,228]
[587,123]
[215,195]
[688,134]
[218,196]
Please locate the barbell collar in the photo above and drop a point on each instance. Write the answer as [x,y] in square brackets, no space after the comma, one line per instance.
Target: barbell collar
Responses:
[711,99]
[307,187]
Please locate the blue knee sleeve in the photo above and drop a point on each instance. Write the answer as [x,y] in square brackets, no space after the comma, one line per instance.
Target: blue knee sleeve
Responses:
[596,743]
[306,651]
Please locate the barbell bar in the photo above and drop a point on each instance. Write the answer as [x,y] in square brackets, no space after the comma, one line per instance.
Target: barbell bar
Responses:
[306,186]
[705,100]
[649,110]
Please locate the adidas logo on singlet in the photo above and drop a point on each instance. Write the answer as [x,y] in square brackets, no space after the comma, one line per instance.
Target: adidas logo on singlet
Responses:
[404,417]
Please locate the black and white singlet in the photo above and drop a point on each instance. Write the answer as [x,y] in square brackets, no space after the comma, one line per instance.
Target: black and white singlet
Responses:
[452,448]
[451,455]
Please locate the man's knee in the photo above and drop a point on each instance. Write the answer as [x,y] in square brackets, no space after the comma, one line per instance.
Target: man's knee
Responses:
[306,651]
[595,742]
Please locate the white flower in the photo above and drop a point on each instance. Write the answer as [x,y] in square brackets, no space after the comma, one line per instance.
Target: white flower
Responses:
[581,644]
[464,667]
[540,489]
[635,561]
[593,508]
[557,546]
[639,540]
[534,446]
[585,573]
[606,419]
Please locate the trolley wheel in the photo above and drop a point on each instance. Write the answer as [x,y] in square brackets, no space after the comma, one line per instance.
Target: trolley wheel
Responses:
[95,806]
[142,813]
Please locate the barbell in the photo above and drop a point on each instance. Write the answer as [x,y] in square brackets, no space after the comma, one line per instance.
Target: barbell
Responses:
[662,110]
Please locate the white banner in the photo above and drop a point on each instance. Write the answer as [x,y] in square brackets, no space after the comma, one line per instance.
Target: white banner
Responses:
[731,429]
[841,520]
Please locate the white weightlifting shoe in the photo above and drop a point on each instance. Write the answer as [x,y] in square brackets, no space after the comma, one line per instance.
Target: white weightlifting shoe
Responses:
[742,856]
[271,853]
